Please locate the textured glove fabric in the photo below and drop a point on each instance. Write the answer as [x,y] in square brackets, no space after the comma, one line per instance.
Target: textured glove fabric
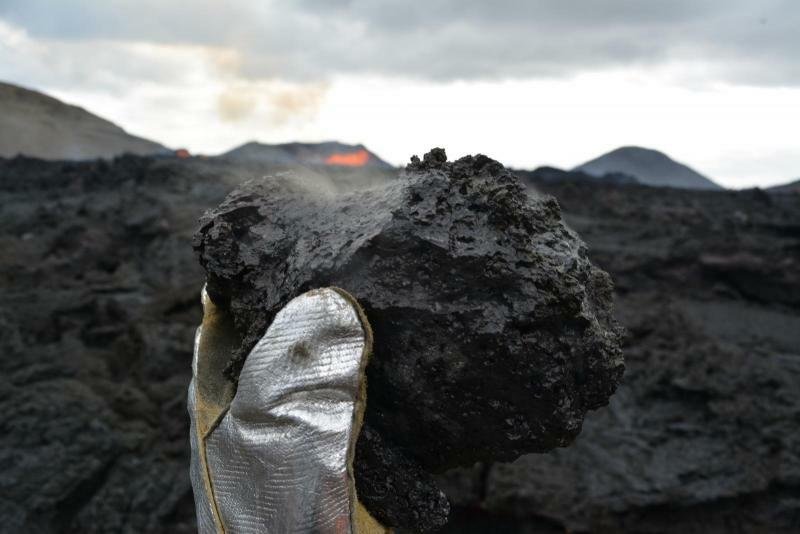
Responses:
[278,459]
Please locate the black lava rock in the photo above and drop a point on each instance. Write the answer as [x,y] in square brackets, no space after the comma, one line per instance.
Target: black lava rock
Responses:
[703,435]
[98,308]
[493,331]
[99,304]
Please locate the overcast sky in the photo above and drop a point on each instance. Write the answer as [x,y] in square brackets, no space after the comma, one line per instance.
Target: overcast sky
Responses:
[715,84]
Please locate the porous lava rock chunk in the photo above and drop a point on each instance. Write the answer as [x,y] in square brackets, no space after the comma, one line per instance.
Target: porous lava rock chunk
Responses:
[493,331]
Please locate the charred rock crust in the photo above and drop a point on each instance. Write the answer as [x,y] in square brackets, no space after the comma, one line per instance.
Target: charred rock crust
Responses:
[493,331]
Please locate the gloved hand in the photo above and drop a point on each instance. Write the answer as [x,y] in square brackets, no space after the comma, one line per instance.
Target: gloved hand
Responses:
[276,454]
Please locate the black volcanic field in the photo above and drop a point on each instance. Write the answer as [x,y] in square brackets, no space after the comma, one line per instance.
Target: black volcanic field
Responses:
[99,301]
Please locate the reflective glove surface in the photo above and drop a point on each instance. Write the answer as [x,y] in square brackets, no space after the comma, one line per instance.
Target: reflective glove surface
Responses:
[275,454]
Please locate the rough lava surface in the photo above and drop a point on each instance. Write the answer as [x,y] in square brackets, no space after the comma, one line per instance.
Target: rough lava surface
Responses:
[493,332]
[703,435]
[99,305]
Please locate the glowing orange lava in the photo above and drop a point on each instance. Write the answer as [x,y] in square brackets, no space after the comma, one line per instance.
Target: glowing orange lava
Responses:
[359,158]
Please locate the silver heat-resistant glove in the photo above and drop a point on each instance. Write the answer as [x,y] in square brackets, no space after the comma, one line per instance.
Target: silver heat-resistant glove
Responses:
[275,454]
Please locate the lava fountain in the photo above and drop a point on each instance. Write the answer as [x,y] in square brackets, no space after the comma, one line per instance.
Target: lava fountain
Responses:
[359,158]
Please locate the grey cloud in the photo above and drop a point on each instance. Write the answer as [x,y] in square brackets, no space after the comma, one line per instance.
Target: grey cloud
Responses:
[167,21]
[740,40]
[84,65]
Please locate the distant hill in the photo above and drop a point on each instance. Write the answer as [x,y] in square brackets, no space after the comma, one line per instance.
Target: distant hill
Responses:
[552,175]
[791,187]
[329,153]
[37,125]
[650,167]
